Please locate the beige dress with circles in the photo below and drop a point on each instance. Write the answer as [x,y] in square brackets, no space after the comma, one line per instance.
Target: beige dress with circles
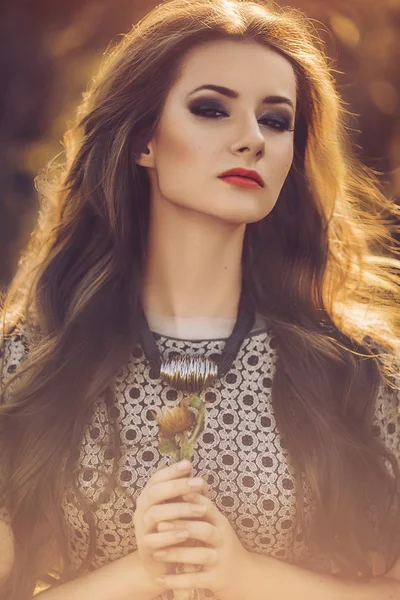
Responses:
[251,480]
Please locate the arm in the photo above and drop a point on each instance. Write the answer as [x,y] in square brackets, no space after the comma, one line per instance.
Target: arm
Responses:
[123,579]
[6,549]
[272,578]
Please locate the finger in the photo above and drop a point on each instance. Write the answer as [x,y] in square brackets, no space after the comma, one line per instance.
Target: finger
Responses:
[167,490]
[212,513]
[187,581]
[154,541]
[164,473]
[198,530]
[170,512]
[188,556]
[171,472]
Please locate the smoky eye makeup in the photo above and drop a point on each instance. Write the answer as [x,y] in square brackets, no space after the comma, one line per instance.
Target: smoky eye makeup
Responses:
[199,105]
[275,118]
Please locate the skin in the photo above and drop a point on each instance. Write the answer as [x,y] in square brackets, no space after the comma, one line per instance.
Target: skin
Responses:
[158,520]
[198,221]
[196,237]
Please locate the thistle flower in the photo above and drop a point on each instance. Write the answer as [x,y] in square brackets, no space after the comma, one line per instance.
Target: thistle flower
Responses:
[175,421]
[178,430]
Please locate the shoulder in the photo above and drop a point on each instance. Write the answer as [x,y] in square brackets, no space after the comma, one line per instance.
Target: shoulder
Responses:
[387,418]
[387,409]
[14,348]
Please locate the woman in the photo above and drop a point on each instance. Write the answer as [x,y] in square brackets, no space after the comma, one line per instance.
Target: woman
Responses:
[277,274]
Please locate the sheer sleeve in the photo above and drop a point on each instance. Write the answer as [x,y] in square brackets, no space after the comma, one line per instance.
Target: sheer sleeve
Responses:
[13,351]
[387,411]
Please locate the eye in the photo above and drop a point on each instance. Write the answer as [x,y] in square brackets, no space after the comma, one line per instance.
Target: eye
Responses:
[204,110]
[276,121]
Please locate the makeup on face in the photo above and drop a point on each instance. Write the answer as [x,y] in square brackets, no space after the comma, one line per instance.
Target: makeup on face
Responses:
[276,118]
[241,182]
[224,143]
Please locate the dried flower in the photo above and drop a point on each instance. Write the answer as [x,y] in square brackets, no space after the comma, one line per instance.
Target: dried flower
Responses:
[175,421]
[178,430]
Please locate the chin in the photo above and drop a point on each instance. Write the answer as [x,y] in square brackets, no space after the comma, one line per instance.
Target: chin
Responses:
[246,213]
[240,217]
[231,210]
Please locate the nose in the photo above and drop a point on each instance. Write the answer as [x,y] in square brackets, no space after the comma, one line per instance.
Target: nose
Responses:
[250,139]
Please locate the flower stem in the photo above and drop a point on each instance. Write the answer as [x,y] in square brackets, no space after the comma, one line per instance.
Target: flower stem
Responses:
[186,451]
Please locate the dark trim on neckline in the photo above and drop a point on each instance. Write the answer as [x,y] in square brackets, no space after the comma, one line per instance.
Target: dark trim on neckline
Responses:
[249,335]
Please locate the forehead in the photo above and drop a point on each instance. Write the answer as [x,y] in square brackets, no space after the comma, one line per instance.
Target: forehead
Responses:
[246,67]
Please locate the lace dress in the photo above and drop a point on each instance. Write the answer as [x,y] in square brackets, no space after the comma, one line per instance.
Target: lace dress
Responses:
[250,477]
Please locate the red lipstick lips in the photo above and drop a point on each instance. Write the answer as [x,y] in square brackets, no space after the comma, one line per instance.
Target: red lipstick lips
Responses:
[245,174]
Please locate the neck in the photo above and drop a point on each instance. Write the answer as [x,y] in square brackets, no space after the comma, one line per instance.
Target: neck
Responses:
[193,266]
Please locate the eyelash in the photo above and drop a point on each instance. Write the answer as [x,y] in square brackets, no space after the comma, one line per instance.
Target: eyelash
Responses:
[201,109]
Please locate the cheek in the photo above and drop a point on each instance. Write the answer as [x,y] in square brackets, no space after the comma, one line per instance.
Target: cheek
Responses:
[282,162]
[176,145]
[177,161]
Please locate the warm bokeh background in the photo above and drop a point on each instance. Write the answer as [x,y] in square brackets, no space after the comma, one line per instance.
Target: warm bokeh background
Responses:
[50,48]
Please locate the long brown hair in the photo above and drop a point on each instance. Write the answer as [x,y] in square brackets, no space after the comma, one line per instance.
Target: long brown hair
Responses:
[321,268]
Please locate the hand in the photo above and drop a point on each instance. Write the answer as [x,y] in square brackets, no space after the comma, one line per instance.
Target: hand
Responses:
[226,563]
[152,507]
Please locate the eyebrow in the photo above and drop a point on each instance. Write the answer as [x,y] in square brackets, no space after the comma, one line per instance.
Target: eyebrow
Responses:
[232,94]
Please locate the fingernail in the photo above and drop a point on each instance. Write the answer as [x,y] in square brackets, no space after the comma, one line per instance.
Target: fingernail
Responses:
[181,535]
[198,510]
[183,465]
[189,497]
[164,526]
[196,483]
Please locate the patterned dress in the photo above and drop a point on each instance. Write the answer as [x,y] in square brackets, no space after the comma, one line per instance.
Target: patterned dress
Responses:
[250,477]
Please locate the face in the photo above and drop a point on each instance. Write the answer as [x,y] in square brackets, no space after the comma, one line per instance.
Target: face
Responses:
[204,133]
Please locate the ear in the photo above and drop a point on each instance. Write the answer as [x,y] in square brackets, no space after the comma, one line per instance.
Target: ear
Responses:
[145,158]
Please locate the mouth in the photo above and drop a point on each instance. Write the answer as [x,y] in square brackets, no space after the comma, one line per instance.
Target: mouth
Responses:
[240,181]
[239,174]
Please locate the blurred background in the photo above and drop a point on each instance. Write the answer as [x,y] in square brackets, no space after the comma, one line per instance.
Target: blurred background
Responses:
[49,50]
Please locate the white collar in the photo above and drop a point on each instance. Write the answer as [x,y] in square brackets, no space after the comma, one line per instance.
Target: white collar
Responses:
[195,328]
